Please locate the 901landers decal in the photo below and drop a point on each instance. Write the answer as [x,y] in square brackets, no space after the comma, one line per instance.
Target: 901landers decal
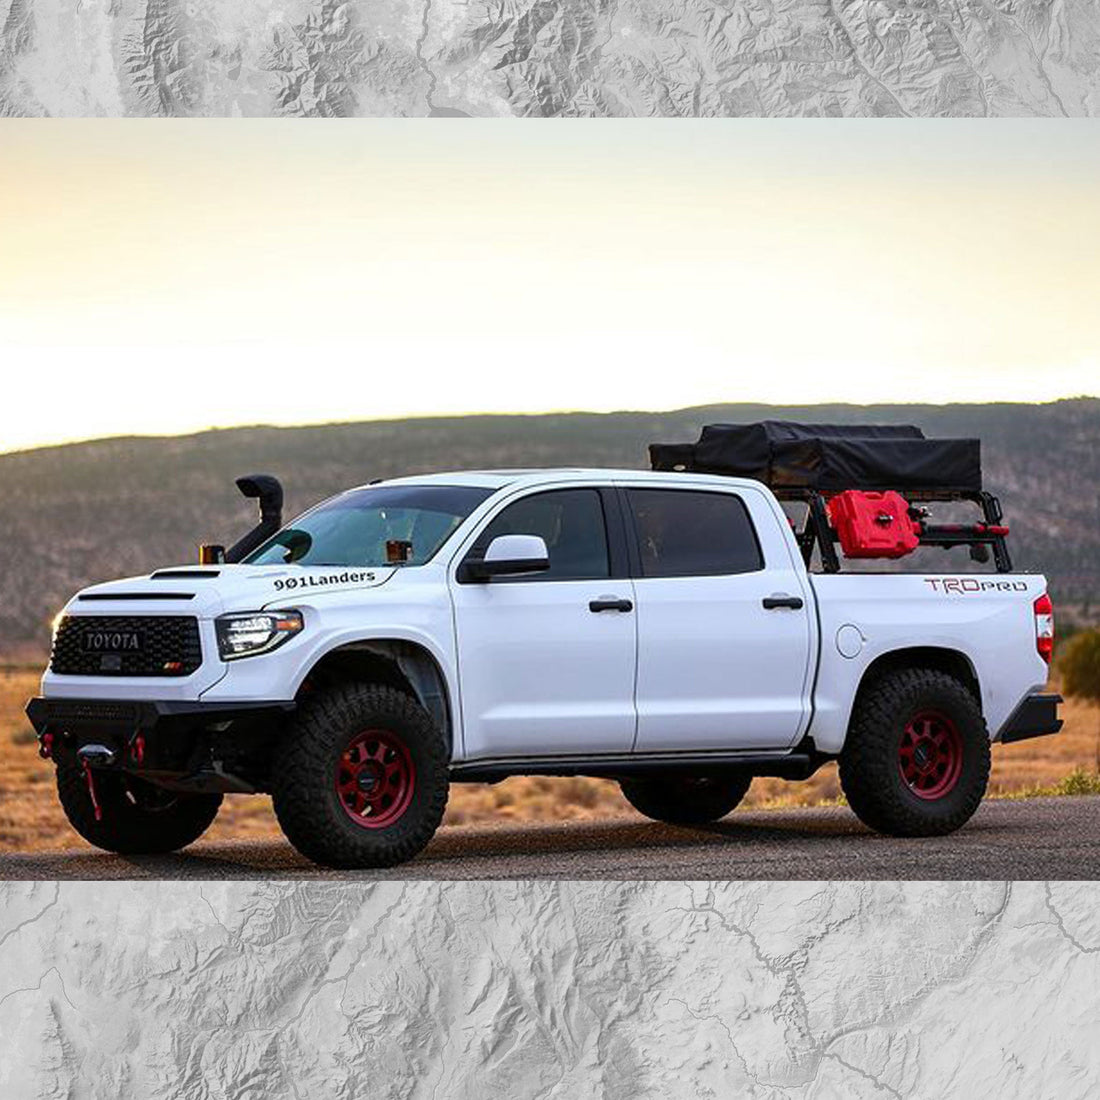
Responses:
[310,580]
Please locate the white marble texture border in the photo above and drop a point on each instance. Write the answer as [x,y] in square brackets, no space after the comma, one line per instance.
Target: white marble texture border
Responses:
[474,990]
[550,58]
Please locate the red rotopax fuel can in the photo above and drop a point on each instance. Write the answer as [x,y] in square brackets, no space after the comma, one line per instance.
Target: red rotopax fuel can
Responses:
[873,525]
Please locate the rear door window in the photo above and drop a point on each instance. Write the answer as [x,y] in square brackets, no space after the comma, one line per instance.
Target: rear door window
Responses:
[686,533]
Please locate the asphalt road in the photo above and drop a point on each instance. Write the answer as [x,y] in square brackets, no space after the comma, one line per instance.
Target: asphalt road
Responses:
[1042,838]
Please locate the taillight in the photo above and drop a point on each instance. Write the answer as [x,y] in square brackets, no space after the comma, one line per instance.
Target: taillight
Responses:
[1044,627]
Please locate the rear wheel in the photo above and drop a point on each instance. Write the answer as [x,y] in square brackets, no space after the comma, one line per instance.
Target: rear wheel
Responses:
[136,817]
[916,759]
[686,800]
[361,777]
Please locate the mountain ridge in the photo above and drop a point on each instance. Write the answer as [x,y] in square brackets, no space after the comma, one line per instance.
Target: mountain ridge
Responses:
[75,513]
[438,418]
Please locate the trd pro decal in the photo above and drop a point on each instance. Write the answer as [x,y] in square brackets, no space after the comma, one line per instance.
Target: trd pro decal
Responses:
[966,586]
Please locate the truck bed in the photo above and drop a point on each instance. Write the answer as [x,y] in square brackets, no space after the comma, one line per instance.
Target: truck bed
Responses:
[987,618]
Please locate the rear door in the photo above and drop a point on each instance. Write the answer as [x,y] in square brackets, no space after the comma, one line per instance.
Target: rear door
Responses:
[724,621]
[546,661]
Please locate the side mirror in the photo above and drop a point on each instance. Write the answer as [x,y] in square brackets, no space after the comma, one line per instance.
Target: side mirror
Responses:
[508,556]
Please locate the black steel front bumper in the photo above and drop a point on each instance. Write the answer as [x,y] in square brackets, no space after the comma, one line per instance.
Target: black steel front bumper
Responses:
[76,716]
[1036,716]
[192,746]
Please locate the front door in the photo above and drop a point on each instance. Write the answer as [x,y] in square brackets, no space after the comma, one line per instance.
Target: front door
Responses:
[546,661]
[724,628]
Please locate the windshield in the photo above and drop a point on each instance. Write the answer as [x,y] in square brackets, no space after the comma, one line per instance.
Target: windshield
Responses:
[394,525]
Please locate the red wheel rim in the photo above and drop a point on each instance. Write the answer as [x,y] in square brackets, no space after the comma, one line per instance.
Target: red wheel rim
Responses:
[375,777]
[931,754]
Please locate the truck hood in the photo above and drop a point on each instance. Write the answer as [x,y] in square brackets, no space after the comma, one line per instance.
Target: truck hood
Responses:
[209,591]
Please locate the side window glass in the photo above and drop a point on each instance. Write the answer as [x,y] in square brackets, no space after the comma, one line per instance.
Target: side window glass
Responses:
[570,521]
[682,533]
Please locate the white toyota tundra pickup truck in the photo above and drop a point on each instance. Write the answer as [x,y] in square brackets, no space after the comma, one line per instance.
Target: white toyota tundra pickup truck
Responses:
[675,630]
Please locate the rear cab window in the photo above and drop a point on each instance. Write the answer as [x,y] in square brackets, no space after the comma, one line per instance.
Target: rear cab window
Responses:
[692,533]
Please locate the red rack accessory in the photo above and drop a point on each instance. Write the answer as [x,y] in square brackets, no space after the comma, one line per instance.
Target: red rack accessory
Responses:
[873,525]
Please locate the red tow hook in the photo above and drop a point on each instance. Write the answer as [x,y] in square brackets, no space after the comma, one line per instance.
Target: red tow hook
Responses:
[137,748]
[45,745]
[89,756]
[90,780]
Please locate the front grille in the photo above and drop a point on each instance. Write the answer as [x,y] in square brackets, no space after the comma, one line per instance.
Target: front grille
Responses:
[166,645]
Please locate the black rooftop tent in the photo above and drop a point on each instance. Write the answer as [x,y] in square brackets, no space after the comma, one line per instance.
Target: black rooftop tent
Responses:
[809,462]
[829,457]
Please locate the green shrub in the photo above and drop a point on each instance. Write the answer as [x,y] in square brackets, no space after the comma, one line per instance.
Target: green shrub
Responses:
[1080,667]
[1079,781]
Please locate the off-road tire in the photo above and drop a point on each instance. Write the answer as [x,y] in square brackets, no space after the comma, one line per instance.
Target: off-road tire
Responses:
[137,818]
[686,801]
[304,783]
[871,772]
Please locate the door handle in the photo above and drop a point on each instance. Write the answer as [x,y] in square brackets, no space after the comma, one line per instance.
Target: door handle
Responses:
[772,602]
[610,603]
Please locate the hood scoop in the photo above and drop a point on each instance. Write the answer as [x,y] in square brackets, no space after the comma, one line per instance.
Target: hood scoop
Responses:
[184,574]
[136,596]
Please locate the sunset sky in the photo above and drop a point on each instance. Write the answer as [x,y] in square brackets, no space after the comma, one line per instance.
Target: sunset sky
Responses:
[161,277]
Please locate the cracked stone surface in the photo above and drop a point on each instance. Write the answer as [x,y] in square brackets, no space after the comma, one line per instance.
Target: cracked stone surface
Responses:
[577,990]
[545,58]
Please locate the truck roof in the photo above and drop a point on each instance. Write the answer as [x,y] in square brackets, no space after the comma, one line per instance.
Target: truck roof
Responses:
[498,479]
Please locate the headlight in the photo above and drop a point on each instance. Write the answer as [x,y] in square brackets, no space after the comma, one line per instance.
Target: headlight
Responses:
[250,633]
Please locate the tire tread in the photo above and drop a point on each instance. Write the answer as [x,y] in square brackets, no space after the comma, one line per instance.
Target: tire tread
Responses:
[303,763]
[661,800]
[126,828]
[868,763]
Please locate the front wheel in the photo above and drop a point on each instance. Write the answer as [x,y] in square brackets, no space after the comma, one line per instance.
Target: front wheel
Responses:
[916,760]
[361,777]
[686,800]
[136,817]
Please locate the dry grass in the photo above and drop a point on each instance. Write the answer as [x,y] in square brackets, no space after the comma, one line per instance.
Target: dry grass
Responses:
[30,818]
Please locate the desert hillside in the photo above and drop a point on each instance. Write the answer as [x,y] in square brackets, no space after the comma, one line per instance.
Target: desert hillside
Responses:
[107,508]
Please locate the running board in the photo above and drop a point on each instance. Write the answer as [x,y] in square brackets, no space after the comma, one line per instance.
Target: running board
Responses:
[792,765]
